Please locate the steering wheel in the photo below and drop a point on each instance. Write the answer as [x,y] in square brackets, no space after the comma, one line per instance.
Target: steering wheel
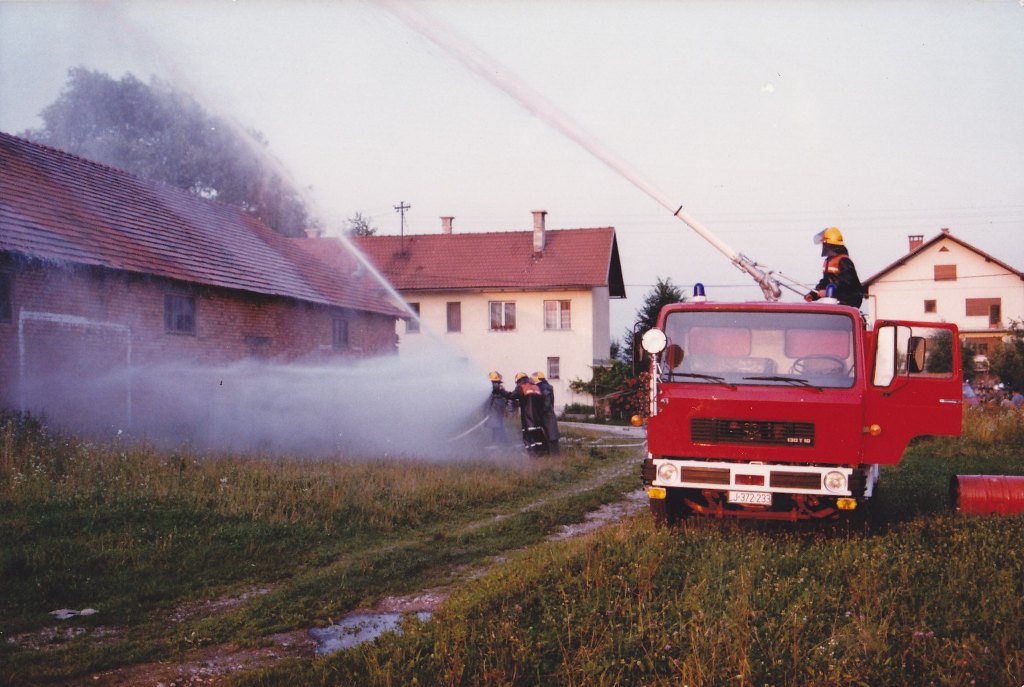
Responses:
[818,365]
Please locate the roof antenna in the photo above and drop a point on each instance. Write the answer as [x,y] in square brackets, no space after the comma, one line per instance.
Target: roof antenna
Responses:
[400,209]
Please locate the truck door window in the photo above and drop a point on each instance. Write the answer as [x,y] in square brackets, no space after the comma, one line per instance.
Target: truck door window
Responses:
[912,352]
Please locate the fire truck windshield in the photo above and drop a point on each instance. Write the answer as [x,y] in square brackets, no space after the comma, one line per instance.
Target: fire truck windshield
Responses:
[759,348]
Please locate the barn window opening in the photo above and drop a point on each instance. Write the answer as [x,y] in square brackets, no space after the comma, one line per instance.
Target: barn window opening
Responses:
[929,306]
[6,297]
[259,346]
[339,332]
[179,314]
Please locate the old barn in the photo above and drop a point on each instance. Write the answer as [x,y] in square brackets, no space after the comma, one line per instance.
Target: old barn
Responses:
[103,273]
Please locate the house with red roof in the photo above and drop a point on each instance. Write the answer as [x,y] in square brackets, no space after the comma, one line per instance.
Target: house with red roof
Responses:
[945,279]
[103,273]
[516,301]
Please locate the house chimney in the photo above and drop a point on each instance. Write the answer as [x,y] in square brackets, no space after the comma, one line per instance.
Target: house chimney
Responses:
[916,241]
[446,225]
[313,233]
[538,230]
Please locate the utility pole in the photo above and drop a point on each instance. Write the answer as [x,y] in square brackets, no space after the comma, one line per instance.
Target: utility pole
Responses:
[400,209]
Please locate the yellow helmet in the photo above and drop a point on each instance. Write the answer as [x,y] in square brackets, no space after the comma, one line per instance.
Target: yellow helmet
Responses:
[832,236]
[538,375]
[519,376]
[494,376]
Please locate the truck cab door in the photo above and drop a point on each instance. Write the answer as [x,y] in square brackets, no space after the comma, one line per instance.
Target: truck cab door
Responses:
[914,387]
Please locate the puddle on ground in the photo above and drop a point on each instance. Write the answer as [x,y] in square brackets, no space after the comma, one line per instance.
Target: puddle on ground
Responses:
[357,629]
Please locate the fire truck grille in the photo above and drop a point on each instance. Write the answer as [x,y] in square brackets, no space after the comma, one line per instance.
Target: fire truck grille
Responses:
[763,432]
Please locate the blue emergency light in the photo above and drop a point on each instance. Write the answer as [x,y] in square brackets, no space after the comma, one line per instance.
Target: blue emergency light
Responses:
[698,293]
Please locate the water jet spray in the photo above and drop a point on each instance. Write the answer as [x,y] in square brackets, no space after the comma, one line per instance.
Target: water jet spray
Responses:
[499,76]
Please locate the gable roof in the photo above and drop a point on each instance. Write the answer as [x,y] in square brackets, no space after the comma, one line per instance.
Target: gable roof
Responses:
[58,207]
[572,258]
[928,244]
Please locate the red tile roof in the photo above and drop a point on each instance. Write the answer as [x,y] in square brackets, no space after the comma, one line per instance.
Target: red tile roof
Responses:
[931,242]
[59,207]
[572,258]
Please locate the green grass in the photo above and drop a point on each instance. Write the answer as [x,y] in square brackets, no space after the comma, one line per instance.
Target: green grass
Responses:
[931,598]
[137,533]
[934,598]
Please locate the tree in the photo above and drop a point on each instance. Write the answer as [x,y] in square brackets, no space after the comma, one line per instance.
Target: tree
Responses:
[1008,359]
[663,293]
[357,225]
[162,134]
[621,386]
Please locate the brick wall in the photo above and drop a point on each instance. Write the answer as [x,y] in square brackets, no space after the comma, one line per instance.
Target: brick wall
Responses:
[71,321]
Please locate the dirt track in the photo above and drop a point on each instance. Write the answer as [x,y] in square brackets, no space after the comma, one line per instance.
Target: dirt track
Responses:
[209,665]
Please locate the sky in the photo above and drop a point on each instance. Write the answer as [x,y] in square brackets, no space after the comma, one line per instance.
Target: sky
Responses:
[767,121]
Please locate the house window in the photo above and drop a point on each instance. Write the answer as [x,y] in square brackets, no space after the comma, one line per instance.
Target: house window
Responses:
[945,273]
[503,315]
[557,315]
[179,314]
[553,368]
[455,316]
[339,332]
[992,308]
[929,306]
[6,297]
[412,325]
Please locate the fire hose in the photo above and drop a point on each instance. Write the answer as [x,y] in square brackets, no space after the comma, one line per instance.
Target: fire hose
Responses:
[595,444]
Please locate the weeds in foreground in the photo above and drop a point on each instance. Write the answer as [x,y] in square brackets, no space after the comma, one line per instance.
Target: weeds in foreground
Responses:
[137,532]
[934,599]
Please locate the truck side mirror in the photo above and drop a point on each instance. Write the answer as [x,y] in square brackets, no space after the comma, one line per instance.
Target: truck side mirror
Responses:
[674,356]
[916,348]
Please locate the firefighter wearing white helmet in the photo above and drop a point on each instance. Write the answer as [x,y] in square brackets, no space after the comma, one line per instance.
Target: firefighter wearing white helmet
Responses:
[838,270]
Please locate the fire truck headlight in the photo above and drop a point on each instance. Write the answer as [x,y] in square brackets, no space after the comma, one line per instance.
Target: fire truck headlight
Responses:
[654,341]
[667,472]
[835,481]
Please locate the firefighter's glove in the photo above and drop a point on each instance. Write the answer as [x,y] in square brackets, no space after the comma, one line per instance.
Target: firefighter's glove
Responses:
[811,296]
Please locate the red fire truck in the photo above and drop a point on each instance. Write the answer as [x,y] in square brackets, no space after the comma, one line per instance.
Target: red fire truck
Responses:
[785,411]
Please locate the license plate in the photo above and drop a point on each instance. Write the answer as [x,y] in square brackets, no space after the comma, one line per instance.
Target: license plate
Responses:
[754,498]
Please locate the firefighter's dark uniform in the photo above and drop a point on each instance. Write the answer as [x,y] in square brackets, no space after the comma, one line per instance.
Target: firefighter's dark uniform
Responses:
[838,270]
[531,411]
[550,420]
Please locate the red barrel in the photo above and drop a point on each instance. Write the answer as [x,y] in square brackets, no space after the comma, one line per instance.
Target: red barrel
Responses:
[987,494]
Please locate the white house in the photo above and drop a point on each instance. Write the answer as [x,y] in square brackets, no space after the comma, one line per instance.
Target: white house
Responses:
[518,301]
[946,279]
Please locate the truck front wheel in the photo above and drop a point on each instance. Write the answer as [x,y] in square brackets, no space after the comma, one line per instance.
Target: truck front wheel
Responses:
[669,511]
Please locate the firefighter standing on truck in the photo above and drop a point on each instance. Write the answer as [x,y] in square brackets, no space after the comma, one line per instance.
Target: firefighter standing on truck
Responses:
[838,270]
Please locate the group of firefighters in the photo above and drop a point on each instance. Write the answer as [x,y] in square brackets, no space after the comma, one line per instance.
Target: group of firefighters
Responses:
[536,400]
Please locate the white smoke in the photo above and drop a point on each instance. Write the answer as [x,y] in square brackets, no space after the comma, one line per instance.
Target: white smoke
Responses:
[418,405]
